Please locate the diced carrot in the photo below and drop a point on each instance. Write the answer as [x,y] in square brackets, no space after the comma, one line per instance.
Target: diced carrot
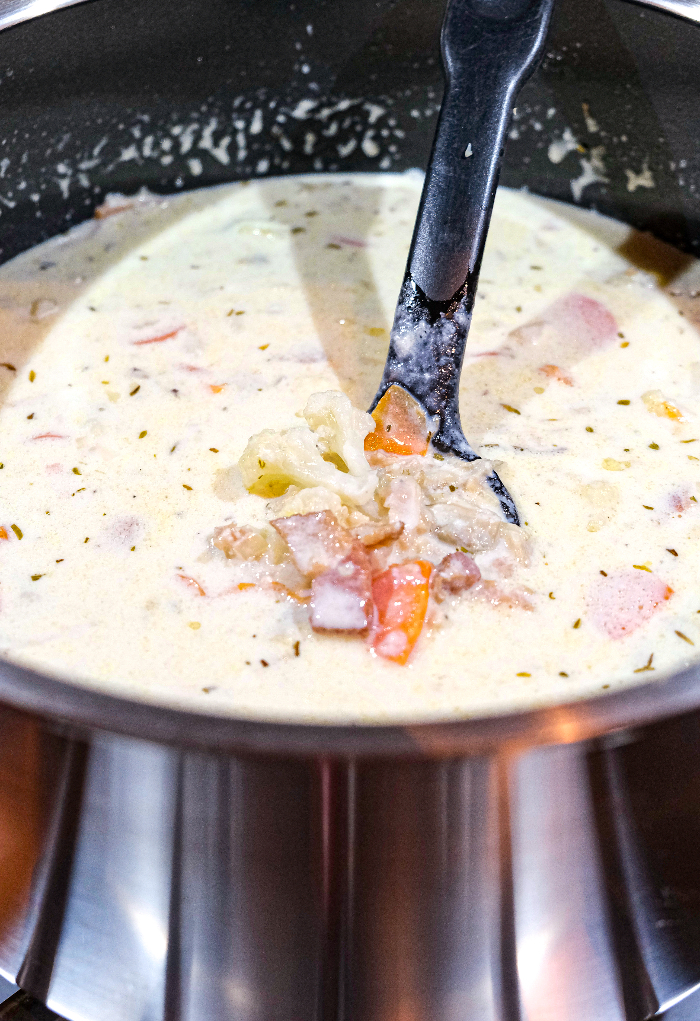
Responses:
[192,584]
[401,424]
[243,585]
[3,533]
[400,595]
[554,372]
[216,388]
[159,339]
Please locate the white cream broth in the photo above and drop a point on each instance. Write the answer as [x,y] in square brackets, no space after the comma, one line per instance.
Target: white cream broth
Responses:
[149,345]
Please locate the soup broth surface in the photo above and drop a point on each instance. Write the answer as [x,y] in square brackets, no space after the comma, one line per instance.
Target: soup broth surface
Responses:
[142,350]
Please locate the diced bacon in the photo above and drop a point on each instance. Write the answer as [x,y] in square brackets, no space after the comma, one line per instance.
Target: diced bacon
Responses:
[456,573]
[402,427]
[375,532]
[159,339]
[192,585]
[341,598]
[400,595]
[554,372]
[622,602]
[239,541]
[317,542]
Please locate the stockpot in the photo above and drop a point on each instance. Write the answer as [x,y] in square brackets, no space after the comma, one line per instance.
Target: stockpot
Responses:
[160,864]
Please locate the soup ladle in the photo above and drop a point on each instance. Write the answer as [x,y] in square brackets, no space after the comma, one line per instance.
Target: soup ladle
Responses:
[489,49]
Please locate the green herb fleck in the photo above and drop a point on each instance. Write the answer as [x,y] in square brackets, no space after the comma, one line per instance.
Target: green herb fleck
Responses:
[562,673]
[35,577]
[77,471]
[510,408]
[589,428]
[17,530]
[642,567]
[438,457]
[647,666]
[672,552]
[653,446]
[135,390]
[32,376]
[623,402]
[143,433]
[523,673]
[685,638]
[577,623]
[184,486]
[86,539]
[296,647]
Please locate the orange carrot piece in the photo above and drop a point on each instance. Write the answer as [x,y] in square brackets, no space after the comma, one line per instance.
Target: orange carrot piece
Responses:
[158,340]
[400,595]
[401,424]
[3,533]
[216,388]
[554,372]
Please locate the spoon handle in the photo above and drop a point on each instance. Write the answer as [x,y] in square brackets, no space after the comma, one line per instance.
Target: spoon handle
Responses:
[489,48]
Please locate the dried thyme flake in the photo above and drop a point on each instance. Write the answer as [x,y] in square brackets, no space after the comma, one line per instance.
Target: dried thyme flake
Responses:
[523,673]
[604,573]
[509,407]
[648,666]
[17,530]
[642,567]
[653,446]
[35,577]
[144,432]
[9,366]
[77,471]
[552,596]
[685,638]
[646,506]
[438,457]
[264,662]
[297,647]
[689,441]
[589,429]
[577,623]
[31,416]
[691,457]
[563,673]
[214,450]
[86,539]
[32,376]
[135,390]
[623,402]
[671,551]
[185,486]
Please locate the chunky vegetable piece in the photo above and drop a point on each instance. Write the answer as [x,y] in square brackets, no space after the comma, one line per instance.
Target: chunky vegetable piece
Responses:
[402,427]
[622,602]
[400,596]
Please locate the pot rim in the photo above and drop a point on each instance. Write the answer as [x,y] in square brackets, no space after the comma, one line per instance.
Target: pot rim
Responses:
[80,710]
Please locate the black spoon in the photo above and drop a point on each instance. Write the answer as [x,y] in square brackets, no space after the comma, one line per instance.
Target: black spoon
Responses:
[489,49]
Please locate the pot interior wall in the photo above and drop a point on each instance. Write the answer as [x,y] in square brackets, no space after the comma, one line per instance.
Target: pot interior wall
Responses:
[110,95]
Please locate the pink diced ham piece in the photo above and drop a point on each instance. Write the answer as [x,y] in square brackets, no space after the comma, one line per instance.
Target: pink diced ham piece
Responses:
[317,542]
[455,573]
[582,319]
[622,602]
[341,598]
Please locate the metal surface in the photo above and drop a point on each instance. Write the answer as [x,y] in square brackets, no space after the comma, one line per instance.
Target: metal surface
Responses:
[13,12]
[165,884]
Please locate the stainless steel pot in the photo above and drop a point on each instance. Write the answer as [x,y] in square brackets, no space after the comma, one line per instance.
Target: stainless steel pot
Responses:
[161,864]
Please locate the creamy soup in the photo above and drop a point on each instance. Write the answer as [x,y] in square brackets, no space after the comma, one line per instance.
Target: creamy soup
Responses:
[143,350]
